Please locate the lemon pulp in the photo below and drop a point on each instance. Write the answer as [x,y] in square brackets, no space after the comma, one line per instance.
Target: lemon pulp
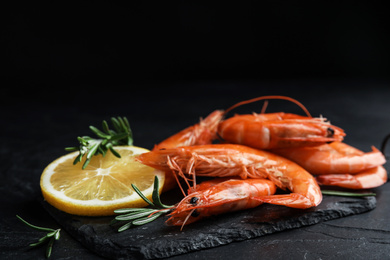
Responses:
[103,186]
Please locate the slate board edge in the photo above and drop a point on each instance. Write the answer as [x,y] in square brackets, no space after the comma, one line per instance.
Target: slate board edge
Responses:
[219,239]
[100,245]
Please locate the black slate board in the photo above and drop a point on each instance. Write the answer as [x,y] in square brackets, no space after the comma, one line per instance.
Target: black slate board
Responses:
[157,240]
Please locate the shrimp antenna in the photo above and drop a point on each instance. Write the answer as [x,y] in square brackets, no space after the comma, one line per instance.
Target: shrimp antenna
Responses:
[265,105]
[177,171]
[178,183]
[269,97]
[384,143]
[186,219]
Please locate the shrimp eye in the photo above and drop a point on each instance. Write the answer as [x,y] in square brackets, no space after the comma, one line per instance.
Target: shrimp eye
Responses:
[195,213]
[194,200]
[330,132]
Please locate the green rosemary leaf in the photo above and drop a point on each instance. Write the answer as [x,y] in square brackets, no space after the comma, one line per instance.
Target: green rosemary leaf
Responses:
[71,149]
[77,159]
[99,133]
[107,144]
[86,163]
[114,152]
[116,124]
[346,194]
[129,140]
[105,127]
[142,195]
[57,235]
[129,210]
[40,241]
[49,248]
[51,234]
[134,215]
[92,150]
[122,124]
[125,227]
[126,122]
[142,221]
[43,238]
[83,140]
[137,211]
[120,136]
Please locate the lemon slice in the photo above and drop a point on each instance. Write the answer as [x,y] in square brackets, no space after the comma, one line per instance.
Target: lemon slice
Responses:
[103,186]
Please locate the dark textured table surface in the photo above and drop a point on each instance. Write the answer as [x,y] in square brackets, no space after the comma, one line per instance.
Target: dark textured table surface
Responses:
[36,126]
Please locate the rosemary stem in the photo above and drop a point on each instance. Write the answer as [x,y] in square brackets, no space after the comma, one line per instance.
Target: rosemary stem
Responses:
[36,227]
[346,194]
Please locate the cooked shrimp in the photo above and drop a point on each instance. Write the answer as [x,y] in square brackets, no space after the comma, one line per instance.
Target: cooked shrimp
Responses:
[333,158]
[276,130]
[202,133]
[223,160]
[367,179]
[220,196]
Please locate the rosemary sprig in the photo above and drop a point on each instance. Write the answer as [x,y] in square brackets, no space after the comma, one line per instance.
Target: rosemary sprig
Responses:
[141,216]
[120,135]
[51,236]
[346,194]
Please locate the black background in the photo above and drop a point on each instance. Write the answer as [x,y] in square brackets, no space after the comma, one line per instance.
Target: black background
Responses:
[63,46]
[164,64]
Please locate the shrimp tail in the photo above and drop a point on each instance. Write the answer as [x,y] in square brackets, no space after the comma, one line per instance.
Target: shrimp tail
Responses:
[307,194]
